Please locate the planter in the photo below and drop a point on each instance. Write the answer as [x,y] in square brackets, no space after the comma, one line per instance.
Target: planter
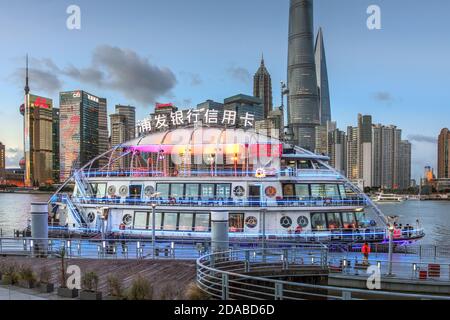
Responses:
[6,280]
[46,287]
[67,293]
[90,295]
[26,284]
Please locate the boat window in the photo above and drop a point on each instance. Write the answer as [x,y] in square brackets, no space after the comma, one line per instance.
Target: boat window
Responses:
[320,166]
[331,191]
[223,191]
[324,191]
[334,221]
[342,191]
[318,221]
[170,221]
[158,221]
[135,192]
[192,190]
[207,191]
[288,190]
[201,222]
[186,221]
[318,190]
[163,189]
[362,220]
[101,190]
[236,222]
[305,164]
[348,219]
[177,190]
[302,190]
[140,220]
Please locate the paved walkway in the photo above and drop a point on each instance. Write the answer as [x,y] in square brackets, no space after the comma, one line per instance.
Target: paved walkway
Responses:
[15,293]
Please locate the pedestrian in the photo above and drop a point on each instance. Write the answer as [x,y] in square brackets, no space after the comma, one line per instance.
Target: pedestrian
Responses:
[365,251]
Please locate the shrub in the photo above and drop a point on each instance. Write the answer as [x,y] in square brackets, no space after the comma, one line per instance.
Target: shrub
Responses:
[193,292]
[44,275]
[90,282]
[141,289]
[10,270]
[115,288]
[170,292]
[26,274]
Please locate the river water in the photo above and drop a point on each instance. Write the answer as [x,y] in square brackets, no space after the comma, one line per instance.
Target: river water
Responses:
[433,215]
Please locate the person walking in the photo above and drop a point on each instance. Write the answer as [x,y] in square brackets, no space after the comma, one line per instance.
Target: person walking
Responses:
[366,252]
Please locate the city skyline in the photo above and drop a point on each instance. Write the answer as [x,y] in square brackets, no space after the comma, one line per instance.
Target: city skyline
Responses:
[387,90]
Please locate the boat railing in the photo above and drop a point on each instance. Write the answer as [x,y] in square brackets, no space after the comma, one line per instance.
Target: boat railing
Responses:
[229,202]
[229,173]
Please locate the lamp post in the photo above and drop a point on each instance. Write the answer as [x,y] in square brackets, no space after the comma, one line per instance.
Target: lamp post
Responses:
[391,220]
[153,228]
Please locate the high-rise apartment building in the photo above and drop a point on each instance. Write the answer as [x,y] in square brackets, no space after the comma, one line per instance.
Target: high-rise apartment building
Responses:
[2,161]
[365,148]
[404,165]
[130,119]
[103,134]
[262,88]
[337,150]
[352,167]
[444,154]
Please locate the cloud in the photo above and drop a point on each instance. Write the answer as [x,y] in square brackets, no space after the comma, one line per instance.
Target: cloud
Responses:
[43,76]
[113,69]
[240,74]
[125,71]
[13,156]
[422,138]
[383,97]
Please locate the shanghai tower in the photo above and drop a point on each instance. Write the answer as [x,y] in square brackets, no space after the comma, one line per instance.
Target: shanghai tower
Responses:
[303,99]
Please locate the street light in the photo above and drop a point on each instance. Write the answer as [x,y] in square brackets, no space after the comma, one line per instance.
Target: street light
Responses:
[392,220]
[153,228]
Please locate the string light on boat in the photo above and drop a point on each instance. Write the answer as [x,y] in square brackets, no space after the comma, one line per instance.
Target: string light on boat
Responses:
[260,173]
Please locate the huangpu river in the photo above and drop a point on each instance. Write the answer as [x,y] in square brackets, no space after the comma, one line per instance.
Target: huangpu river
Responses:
[433,215]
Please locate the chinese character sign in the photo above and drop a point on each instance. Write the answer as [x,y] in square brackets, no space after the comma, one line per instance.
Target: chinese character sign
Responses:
[182,118]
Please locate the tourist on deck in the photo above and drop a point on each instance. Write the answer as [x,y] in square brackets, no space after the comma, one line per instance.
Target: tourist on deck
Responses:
[299,229]
[365,251]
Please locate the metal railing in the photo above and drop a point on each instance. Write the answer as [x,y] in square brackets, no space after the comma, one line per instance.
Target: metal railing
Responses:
[227,202]
[227,276]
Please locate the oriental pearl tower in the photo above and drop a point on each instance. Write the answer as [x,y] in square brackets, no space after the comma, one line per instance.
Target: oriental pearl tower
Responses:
[303,97]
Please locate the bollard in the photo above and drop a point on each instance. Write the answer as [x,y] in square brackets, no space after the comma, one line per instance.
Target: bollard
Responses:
[219,232]
[39,228]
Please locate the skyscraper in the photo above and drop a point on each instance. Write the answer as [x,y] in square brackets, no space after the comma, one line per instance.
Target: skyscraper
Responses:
[303,98]
[55,144]
[103,135]
[352,167]
[404,165]
[2,157]
[337,150]
[444,154]
[38,141]
[322,80]
[365,148]
[79,130]
[130,120]
[262,88]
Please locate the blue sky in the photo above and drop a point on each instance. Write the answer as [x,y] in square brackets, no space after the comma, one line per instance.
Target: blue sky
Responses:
[190,51]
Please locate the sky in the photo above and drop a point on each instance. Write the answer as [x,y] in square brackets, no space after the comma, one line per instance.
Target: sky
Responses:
[146,51]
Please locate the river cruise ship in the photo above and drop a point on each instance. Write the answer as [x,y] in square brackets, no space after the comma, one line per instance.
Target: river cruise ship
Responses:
[268,187]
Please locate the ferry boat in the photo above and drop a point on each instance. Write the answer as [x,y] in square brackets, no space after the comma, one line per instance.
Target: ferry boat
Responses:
[270,188]
[389,198]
